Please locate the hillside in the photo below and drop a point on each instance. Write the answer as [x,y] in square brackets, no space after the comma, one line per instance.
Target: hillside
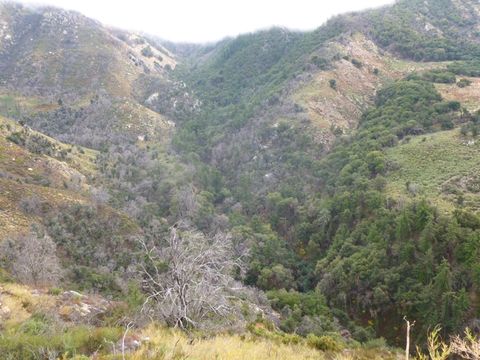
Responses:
[40,169]
[442,167]
[75,64]
[302,192]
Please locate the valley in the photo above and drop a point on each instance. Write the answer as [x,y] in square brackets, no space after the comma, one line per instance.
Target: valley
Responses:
[280,194]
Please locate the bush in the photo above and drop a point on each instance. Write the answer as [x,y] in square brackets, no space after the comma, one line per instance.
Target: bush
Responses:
[375,343]
[147,51]
[319,62]
[357,63]
[16,138]
[31,258]
[333,84]
[38,324]
[312,303]
[55,291]
[324,343]
[465,68]
[463,83]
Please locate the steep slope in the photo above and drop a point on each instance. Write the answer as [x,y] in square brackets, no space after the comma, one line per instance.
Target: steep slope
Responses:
[57,53]
[38,171]
[302,142]
[427,30]
[89,70]
[50,186]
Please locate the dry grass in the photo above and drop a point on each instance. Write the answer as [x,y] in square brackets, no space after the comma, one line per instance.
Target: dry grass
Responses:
[468,96]
[168,344]
[18,303]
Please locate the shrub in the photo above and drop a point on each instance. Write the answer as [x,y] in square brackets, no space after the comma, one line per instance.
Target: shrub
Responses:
[55,291]
[324,343]
[375,343]
[32,259]
[465,68]
[463,83]
[333,84]
[357,63]
[319,62]
[16,138]
[147,51]
[38,324]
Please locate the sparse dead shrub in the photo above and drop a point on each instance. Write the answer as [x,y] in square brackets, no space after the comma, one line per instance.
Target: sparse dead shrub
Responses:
[32,259]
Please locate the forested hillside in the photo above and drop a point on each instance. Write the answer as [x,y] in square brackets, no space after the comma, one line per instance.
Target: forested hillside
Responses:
[306,191]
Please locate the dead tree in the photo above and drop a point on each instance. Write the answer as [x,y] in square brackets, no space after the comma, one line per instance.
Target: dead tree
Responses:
[32,259]
[407,345]
[187,281]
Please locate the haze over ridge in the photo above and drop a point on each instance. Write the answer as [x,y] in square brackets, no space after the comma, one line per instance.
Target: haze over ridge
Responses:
[210,20]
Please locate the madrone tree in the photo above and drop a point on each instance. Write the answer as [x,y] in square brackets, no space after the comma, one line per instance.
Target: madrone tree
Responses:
[187,281]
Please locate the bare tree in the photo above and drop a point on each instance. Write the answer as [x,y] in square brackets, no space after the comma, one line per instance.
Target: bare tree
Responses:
[187,281]
[32,259]
[407,344]
[187,202]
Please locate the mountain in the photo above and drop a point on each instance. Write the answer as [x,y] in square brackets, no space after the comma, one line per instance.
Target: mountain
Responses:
[82,69]
[339,165]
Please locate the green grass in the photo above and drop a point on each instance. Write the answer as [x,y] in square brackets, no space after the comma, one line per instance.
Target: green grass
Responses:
[442,166]
[32,343]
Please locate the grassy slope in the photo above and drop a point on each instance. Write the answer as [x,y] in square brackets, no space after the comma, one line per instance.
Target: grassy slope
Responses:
[441,165]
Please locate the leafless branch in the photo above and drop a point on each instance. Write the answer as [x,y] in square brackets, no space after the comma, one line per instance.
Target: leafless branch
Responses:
[187,281]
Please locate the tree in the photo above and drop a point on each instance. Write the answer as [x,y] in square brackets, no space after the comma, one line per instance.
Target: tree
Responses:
[147,51]
[277,277]
[188,280]
[333,83]
[376,162]
[32,259]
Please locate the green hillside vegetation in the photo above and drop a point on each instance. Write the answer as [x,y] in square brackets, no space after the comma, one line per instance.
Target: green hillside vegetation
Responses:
[423,31]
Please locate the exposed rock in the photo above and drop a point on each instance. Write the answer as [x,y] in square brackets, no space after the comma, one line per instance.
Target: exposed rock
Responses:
[79,308]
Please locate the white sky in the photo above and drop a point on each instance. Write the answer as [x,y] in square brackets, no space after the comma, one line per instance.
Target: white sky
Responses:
[210,20]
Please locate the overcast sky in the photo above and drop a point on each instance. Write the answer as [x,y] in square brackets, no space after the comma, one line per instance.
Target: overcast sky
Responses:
[211,20]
